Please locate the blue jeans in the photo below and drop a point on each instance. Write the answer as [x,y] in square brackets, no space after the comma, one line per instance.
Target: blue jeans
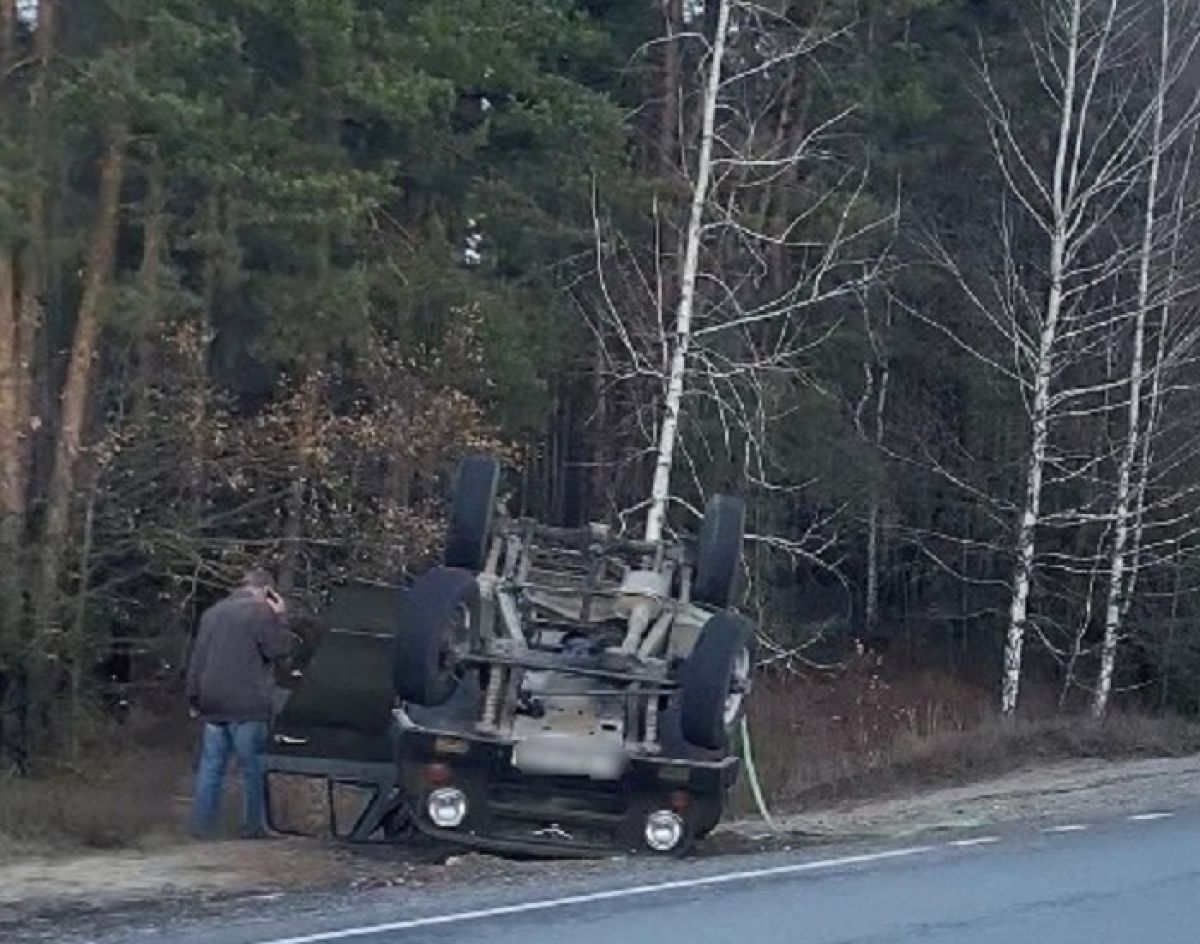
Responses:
[248,740]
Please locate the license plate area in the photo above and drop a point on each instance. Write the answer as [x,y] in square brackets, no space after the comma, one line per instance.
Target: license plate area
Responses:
[594,757]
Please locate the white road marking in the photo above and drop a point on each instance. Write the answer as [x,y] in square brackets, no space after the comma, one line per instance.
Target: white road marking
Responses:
[977,841]
[1069,828]
[614,894]
[1149,817]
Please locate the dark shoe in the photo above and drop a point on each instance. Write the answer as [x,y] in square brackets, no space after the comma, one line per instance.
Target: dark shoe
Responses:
[254,834]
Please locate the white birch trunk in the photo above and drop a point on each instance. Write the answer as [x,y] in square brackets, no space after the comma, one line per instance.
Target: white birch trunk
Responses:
[1154,407]
[660,491]
[1121,510]
[1026,543]
[871,614]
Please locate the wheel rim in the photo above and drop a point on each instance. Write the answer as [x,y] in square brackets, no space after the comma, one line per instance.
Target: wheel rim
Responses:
[458,641]
[739,684]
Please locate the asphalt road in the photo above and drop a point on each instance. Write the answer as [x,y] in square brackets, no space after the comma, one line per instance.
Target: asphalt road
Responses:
[1125,881]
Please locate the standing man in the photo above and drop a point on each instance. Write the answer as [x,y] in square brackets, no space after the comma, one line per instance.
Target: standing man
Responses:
[229,686]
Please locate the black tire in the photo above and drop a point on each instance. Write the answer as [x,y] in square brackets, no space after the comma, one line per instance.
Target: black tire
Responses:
[471,510]
[719,552]
[708,816]
[706,679]
[426,668]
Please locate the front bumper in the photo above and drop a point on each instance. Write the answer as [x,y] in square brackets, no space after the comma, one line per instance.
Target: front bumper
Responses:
[513,812]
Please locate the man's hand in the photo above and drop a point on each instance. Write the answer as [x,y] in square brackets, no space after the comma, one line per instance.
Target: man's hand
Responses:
[193,713]
[275,602]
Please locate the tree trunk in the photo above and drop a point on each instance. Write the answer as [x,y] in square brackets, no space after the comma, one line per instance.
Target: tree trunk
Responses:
[670,86]
[211,275]
[12,497]
[775,204]
[80,650]
[8,24]
[154,237]
[293,533]
[293,528]
[46,33]
[198,392]
[1168,647]
[1026,538]
[1027,530]
[31,290]
[22,286]
[660,491]
[1156,398]
[12,490]
[77,386]
[1133,432]
[601,481]
[871,607]
[25,271]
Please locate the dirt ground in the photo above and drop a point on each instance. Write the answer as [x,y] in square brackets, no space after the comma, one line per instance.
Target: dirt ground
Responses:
[41,886]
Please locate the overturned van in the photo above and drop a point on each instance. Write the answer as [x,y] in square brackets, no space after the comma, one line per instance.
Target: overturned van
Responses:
[545,690]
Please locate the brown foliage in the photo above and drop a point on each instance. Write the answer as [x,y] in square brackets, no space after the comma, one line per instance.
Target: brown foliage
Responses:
[860,734]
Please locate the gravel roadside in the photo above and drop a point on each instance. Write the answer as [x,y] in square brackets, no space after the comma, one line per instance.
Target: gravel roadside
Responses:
[50,897]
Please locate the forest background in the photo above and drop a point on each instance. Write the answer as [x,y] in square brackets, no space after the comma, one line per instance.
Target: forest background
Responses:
[269,267]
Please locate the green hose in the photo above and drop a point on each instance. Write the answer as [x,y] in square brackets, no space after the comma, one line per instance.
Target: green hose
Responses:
[752,773]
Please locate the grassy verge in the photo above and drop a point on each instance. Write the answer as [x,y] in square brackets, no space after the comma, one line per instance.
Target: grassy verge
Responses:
[817,743]
[857,738]
[128,787]
[994,749]
[105,803]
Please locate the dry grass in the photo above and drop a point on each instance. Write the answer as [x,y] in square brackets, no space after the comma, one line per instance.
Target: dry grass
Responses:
[128,787]
[817,741]
[131,788]
[996,748]
[810,733]
[861,735]
[112,805]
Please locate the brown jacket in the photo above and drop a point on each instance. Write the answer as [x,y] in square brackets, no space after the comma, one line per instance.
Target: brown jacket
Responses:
[229,677]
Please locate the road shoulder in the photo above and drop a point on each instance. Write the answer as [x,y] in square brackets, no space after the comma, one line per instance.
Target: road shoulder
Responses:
[44,897]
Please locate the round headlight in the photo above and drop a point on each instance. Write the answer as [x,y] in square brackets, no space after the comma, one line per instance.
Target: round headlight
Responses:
[664,830]
[447,807]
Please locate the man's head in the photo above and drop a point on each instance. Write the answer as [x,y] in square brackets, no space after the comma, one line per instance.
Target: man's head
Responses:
[261,584]
[259,580]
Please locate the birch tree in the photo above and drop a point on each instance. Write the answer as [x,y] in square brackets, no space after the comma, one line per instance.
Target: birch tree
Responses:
[1053,308]
[681,341]
[1175,59]
[776,238]
[869,415]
